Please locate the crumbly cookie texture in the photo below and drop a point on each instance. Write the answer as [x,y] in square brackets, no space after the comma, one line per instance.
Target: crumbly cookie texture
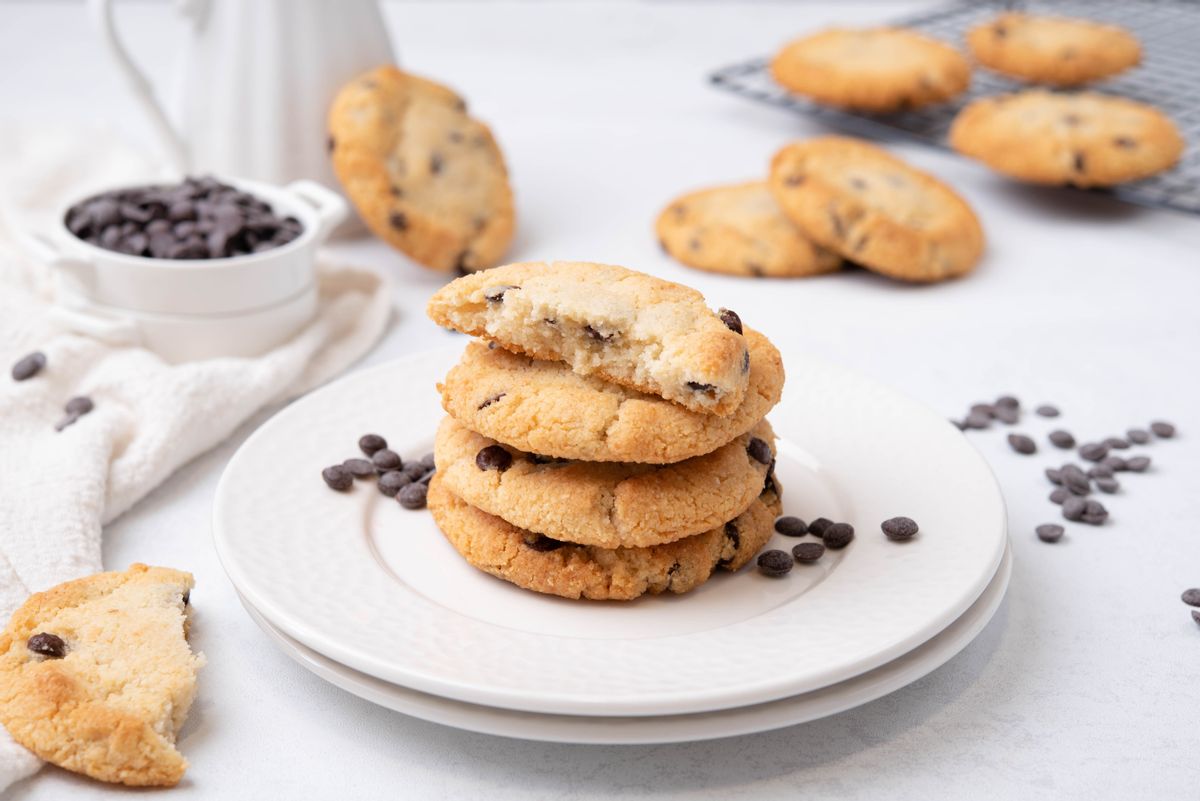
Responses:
[545,565]
[1085,139]
[111,705]
[1058,51]
[639,331]
[877,70]
[876,210]
[608,504]
[740,230]
[544,407]
[426,177]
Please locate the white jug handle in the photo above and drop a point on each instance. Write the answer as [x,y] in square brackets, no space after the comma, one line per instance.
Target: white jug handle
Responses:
[331,209]
[143,91]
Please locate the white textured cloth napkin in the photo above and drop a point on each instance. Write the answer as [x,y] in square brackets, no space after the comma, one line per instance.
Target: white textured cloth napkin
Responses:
[59,488]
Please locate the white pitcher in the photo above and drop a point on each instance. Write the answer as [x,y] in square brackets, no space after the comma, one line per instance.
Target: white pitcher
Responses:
[258,79]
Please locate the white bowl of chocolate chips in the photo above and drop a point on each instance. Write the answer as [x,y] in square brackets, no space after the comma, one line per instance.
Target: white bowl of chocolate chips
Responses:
[198,269]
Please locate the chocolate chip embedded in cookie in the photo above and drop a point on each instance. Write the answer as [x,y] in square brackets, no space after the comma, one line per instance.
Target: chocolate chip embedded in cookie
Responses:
[542,564]
[636,330]
[740,230]
[425,176]
[876,69]
[876,210]
[96,675]
[607,504]
[1086,139]
[1059,51]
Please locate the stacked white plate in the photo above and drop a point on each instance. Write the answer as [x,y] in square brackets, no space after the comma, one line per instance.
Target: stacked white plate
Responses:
[372,598]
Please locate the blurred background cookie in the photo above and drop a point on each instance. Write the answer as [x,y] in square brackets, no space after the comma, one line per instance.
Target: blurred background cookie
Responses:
[874,69]
[739,229]
[1058,51]
[1086,139]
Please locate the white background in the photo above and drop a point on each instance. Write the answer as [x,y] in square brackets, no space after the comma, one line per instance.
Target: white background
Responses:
[1084,686]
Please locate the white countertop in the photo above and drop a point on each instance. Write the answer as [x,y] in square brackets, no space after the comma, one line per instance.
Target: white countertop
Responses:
[1083,686]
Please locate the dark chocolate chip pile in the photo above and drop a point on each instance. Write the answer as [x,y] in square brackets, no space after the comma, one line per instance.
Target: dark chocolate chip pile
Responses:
[407,483]
[200,218]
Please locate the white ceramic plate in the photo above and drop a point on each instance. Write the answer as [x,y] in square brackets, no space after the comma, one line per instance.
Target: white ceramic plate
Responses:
[377,588]
[669,728]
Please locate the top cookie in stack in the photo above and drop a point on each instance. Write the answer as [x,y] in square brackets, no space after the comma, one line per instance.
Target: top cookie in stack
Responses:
[609,440]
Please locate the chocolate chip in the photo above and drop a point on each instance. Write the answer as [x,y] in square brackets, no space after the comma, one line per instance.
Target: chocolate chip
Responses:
[542,543]
[79,405]
[1061,439]
[1191,597]
[808,552]
[1076,482]
[1162,429]
[1124,142]
[1115,463]
[745,361]
[415,470]
[1006,414]
[370,443]
[489,401]
[1073,508]
[696,386]
[1047,410]
[359,468]
[337,478]
[1116,442]
[899,528]
[1050,532]
[428,461]
[1138,436]
[1137,464]
[392,482]
[330,143]
[1054,475]
[977,420]
[985,409]
[1094,513]
[493,457]
[1022,444]
[793,180]
[597,335]
[48,645]
[435,163]
[1196,616]
[462,265]
[1101,471]
[1108,485]
[386,459]
[29,366]
[1007,402]
[790,526]
[1093,451]
[1080,162]
[818,527]
[838,535]
[774,563]
[1059,495]
[759,450]
[413,496]
[495,294]
[398,221]
[731,320]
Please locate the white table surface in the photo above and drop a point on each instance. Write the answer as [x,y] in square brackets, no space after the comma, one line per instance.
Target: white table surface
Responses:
[1083,686]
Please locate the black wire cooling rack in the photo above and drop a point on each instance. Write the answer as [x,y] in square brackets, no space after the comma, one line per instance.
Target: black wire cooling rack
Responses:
[1168,78]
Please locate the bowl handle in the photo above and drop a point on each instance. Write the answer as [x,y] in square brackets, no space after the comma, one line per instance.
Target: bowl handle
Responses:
[331,209]
[108,327]
[75,274]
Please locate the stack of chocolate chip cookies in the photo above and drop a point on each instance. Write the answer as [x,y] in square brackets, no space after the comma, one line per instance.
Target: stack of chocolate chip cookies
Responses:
[606,436]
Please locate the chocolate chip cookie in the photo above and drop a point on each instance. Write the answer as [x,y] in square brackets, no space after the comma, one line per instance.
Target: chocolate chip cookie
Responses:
[636,330]
[740,230]
[877,70]
[607,504]
[97,677]
[426,177]
[876,210]
[1058,51]
[545,408]
[539,563]
[1086,139]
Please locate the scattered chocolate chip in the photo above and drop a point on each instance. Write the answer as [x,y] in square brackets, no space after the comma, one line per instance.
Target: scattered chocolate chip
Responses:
[79,405]
[493,457]
[29,366]
[1191,597]
[1059,495]
[1124,142]
[790,526]
[1137,464]
[359,468]
[1108,485]
[415,471]
[1093,451]
[759,450]
[899,529]
[428,461]
[1073,508]
[1050,532]
[838,535]
[1101,470]
[1161,429]
[393,481]
[369,443]
[1117,443]
[1115,463]
[1094,513]
[818,527]
[495,294]
[1008,415]
[1008,402]
[696,386]
[597,335]
[398,221]
[745,361]
[977,420]
[542,543]
[489,401]
[1047,410]
[48,645]
[1076,481]
[985,409]
[1022,444]
[1061,439]
[1196,616]
[386,460]
[337,478]
[1054,475]
[808,552]
[775,563]
[1138,436]
[731,320]
[413,496]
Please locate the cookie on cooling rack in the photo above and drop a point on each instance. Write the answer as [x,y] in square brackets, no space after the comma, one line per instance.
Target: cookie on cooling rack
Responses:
[876,70]
[1058,51]
[1086,139]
